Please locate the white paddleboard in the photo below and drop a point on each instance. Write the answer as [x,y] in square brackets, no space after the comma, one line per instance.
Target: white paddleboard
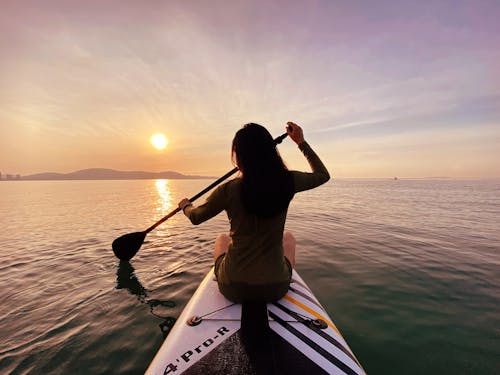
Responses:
[294,335]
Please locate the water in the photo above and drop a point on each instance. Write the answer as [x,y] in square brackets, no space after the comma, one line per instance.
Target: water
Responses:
[409,270]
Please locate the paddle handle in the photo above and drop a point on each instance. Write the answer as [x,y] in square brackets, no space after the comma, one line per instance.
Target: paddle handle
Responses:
[277,140]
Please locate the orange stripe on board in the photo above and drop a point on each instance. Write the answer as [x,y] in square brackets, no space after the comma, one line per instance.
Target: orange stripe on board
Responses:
[311,311]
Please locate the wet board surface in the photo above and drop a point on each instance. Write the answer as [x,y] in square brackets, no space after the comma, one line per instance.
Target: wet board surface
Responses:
[294,335]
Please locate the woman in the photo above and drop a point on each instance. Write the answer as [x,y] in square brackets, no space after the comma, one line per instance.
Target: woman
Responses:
[255,261]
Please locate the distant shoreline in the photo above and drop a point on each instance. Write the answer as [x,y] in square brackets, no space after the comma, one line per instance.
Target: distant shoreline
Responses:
[103,174]
[190,177]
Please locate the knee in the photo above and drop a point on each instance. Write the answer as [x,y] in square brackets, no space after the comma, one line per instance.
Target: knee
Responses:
[223,238]
[288,237]
[289,247]
[222,242]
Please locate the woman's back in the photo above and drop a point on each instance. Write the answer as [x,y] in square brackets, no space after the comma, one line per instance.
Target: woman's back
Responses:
[253,263]
[255,255]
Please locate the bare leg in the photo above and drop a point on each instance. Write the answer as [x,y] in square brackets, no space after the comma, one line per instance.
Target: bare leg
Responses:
[222,243]
[289,247]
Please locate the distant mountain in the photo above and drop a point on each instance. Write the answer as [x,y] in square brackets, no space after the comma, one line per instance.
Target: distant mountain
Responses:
[110,174]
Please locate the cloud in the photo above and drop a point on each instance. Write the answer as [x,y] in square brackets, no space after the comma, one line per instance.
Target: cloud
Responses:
[355,72]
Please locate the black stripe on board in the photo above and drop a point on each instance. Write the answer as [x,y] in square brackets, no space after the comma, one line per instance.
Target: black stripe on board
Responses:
[331,358]
[320,332]
[302,284]
[307,297]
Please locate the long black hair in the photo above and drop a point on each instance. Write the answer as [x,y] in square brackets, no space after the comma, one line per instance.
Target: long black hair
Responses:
[267,186]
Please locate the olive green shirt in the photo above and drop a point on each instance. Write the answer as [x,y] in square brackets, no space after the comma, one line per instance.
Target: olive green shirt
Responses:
[255,256]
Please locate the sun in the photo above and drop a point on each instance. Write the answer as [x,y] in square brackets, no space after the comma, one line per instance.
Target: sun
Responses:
[159,141]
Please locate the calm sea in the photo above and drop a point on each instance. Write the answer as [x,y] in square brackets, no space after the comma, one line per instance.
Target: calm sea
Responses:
[409,270]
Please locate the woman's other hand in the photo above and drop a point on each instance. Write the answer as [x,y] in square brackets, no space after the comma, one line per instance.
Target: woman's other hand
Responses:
[295,132]
[184,203]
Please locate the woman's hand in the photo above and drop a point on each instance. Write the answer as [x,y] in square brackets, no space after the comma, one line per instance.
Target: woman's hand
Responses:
[184,203]
[295,132]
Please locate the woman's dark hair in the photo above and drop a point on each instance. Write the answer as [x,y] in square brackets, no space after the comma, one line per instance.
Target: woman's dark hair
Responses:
[267,186]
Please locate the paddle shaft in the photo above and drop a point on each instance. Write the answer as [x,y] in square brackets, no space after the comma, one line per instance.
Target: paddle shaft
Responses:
[208,188]
[277,140]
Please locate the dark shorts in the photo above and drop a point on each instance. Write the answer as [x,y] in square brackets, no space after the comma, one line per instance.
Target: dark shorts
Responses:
[243,292]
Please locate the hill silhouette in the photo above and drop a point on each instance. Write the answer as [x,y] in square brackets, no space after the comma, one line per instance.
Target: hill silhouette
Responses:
[110,174]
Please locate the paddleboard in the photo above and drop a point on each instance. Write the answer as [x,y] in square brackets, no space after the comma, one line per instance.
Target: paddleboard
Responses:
[294,335]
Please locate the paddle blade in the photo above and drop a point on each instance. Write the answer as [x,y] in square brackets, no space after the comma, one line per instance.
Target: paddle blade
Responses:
[126,246]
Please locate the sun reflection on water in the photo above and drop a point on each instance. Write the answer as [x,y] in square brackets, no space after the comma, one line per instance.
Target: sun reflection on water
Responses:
[165,196]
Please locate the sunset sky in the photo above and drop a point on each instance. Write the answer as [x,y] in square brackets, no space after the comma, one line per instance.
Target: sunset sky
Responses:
[381,88]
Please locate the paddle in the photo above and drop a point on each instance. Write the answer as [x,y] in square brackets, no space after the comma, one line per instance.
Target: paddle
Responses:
[126,246]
